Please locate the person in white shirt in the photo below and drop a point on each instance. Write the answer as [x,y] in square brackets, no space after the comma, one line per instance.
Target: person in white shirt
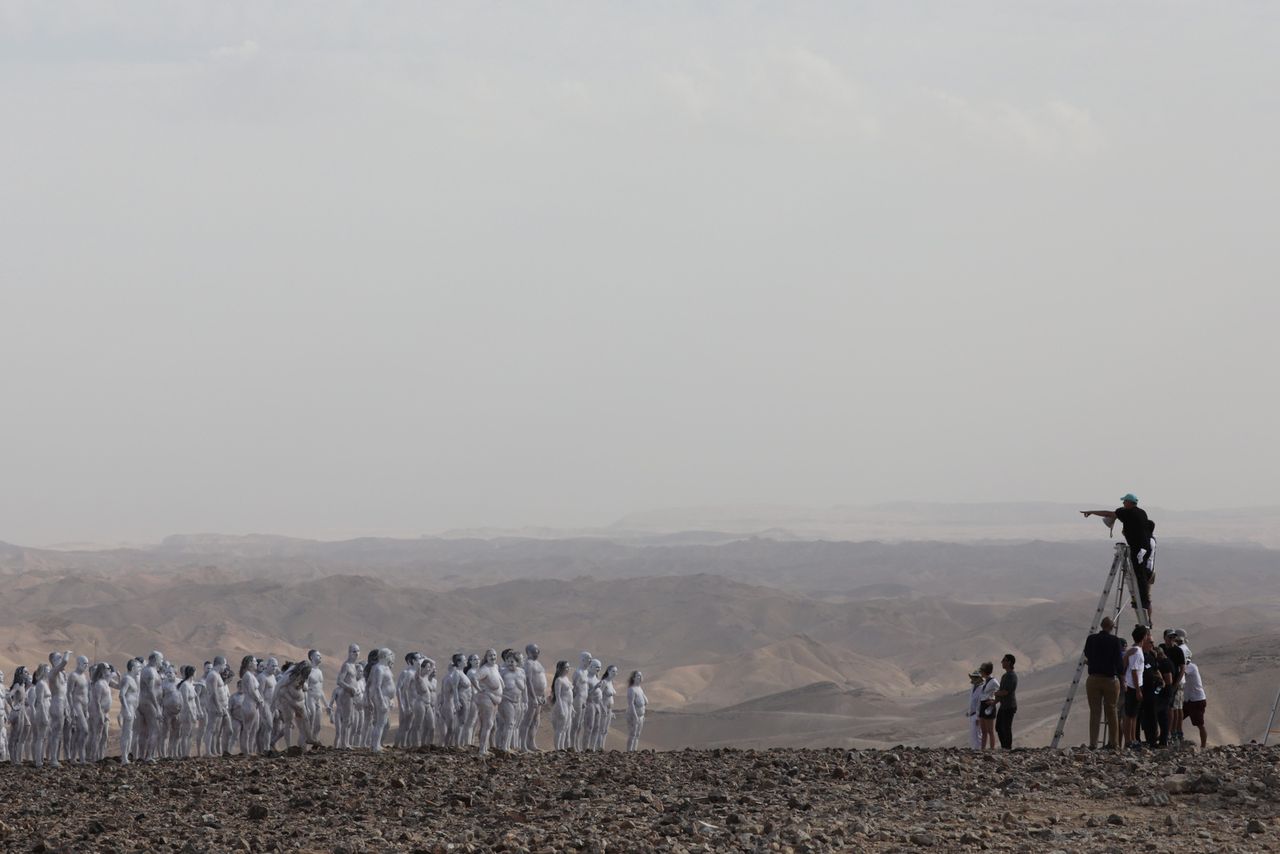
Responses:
[975,695]
[1134,664]
[1194,704]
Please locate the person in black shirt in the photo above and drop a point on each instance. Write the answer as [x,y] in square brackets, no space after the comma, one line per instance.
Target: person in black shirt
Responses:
[1008,697]
[1105,654]
[1164,678]
[1155,688]
[1137,533]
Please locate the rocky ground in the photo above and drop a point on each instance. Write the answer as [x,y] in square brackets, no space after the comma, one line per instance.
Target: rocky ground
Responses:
[1224,799]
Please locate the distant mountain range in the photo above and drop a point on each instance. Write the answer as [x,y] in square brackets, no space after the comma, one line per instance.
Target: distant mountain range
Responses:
[744,640]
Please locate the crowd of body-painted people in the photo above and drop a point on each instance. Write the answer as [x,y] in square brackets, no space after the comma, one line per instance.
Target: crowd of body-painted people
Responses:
[58,713]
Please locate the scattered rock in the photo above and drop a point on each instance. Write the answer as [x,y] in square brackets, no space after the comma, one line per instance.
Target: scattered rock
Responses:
[690,801]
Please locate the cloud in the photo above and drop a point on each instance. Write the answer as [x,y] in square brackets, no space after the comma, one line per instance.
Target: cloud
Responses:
[245,50]
[1054,129]
[794,92]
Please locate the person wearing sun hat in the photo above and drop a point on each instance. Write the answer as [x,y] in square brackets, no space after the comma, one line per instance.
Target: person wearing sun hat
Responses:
[1137,533]
[975,698]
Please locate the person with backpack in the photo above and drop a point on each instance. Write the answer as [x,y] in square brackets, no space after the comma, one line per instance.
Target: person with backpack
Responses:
[1153,692]
[987,704]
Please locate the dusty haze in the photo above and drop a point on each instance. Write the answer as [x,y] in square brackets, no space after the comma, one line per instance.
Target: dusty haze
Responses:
[870,294]
[749,640]
[329,270]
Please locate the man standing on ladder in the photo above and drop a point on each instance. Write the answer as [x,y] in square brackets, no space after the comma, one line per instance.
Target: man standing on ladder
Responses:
[1137,533]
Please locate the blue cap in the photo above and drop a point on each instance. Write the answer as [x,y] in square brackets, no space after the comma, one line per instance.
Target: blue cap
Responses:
[1129,496]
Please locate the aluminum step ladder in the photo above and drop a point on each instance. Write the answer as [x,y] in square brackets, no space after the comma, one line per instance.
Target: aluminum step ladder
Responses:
[1122,579]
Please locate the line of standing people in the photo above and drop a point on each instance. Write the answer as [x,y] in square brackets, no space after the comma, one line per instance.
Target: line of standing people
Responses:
[992,705]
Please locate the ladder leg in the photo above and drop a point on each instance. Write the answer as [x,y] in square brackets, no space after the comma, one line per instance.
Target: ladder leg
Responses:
[1271,722]
[1116,570]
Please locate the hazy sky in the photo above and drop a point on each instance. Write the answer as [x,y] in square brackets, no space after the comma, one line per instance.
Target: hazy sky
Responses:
[330,268]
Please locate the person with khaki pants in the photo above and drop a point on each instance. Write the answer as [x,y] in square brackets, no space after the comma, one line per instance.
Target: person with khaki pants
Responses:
[1105,654]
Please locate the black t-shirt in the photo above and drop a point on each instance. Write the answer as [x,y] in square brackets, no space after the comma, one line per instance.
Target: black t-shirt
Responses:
[1009,682]
[1163,667]
[1105,652]
[1137,527]
[1177,661]
[1151,684]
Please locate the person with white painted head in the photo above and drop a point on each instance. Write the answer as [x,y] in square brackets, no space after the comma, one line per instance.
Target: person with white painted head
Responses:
[103,679]
[590,707]
[6,719]
[6,716]
[562,706]
[251,705]
[404,704]
[268,676]
[202,722]
[468,689]
[422,695]
[228,733]
[150,708]
[56,683]
[488,697]
[360,708]
[171,708]
[605,691]
[536,693]
[38,698]
[291,704]
[382,691]
[189,711]
[452,711]
[344,699]
[315,697]
[19,719]
[235,705]
[366,739]
[637,704]
[581,688]
[77,691]
[129,694]
[509,706]
[217,708]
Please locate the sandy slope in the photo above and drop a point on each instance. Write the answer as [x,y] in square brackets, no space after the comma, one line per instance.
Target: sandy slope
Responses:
[870,645]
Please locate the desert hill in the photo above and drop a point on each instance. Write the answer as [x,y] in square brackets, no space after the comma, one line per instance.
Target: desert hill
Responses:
[749,642]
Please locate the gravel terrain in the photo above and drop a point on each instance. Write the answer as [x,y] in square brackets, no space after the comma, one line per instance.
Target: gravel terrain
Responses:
[1225,799]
